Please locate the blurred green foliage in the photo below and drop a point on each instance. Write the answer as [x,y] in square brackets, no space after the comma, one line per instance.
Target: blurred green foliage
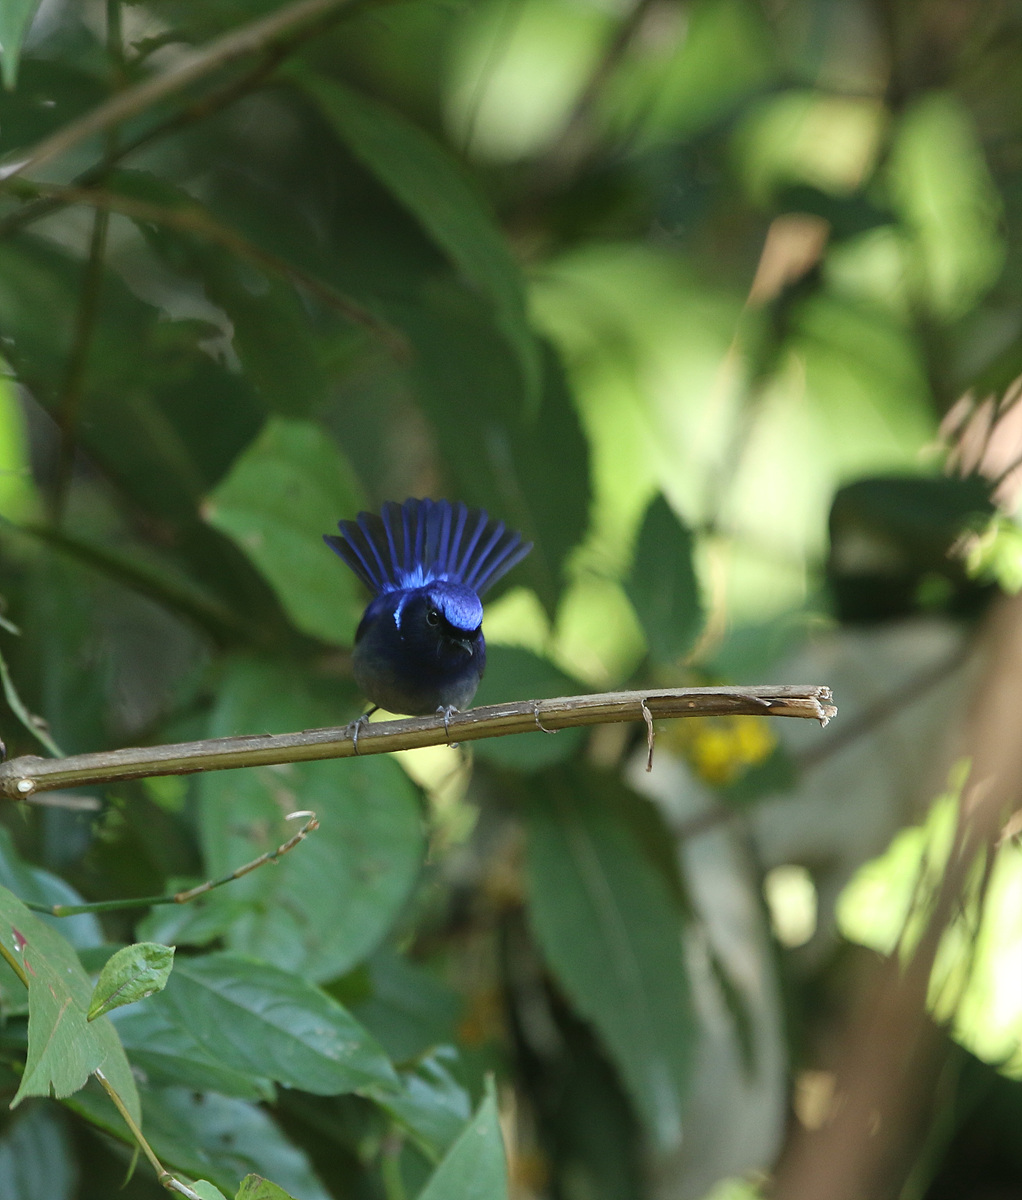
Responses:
[680,288]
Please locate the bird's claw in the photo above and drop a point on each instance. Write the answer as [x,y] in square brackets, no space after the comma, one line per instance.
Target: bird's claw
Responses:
[445,710]
[354,728]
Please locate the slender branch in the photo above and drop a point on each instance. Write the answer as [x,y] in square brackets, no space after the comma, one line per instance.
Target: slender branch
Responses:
[42,206]
[217,620]
[271,856]
[162,1174]
[190,218]
[22,777]
[192,66]
[35,725]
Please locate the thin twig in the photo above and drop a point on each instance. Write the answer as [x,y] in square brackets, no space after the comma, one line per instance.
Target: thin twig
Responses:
[32,723]
[42,206]
[22,777]
[162,1174]
[184,897]
[190,68]
[191,218]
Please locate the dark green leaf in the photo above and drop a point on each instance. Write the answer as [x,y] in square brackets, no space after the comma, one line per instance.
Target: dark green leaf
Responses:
[15,18]
[41,887]
[211,1137]
[291,486]
[431,1105]
[132,973]
[422,176]
[48,94]
[530,470]
[513,673]
[611,932]
[64,1048]
[663,585]
[157,411]
[36,1156]
[170,1051]
[474,1168]
[409,1009]
[259,1020]
[327,904]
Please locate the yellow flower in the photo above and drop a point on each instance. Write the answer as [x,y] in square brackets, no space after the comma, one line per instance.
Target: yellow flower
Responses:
[721,749]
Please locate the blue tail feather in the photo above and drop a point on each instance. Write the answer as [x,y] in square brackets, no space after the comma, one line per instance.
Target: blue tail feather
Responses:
[411,544]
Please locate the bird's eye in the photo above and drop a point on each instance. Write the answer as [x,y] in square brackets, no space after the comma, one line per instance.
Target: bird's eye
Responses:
[432,617]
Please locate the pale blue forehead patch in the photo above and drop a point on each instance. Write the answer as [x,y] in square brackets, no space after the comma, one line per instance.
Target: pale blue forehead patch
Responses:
[459,605]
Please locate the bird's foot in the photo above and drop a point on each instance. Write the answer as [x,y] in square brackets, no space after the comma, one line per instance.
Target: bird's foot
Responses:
[445,710]
[354,728]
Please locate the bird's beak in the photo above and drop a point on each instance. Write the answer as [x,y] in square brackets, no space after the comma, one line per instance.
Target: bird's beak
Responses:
[465,644]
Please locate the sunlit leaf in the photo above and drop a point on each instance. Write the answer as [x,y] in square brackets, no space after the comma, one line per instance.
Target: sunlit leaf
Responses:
[663,586]
[15,18]
[948,202]
[291,486]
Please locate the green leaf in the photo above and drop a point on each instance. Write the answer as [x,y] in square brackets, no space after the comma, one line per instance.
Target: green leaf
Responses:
[322,908]
[422,176]
[211,1137]
[37,886]
[15,18]
[475,1167]
[663,587]
[291,486]
[254,1187]
[259,1020]
[611,931]
[513,673]
[431,1105]
[170,1052]
[409,1009]
[36,1156]
[64,1048]
[131,974]
[158,413]
[207,1190]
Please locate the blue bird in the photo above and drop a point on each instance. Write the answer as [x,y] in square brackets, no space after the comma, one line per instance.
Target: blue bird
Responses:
[419,647]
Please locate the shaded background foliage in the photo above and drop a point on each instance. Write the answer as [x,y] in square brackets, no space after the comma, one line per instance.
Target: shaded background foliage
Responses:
[717,301]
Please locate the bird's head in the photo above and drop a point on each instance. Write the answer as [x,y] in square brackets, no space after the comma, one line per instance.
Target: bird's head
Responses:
[449,614]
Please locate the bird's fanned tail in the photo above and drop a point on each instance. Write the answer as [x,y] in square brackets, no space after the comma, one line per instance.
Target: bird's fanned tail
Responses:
[411,544]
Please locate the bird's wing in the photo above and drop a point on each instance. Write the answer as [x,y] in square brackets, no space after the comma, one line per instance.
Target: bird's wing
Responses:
[411,544]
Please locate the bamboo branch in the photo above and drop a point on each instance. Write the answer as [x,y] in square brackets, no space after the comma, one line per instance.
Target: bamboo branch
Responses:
[22,777]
